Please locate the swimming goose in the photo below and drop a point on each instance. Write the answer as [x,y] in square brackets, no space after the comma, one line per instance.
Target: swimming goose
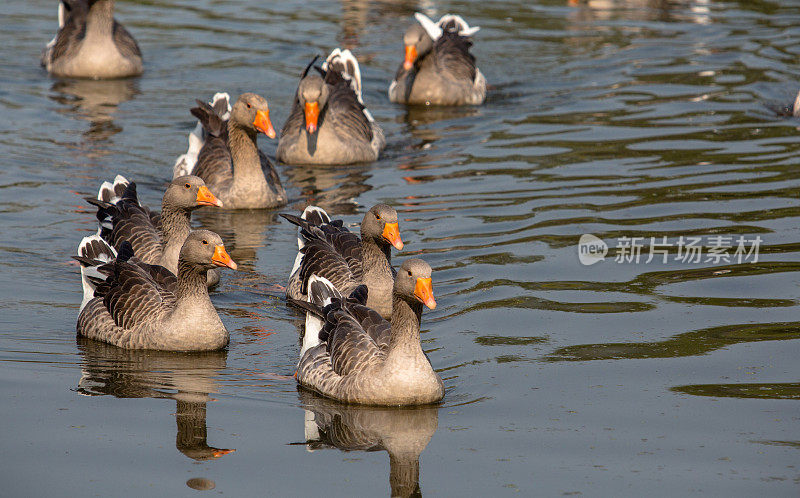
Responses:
[156,238]
[90,43]
[438,67]
[329,123]
[133,309]
[359,357]
[328,249]
[230,162]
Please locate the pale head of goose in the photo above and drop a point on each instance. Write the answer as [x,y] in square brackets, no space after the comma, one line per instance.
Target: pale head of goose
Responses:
[204,249]
[313,95]
[380,225]
[189,192]
[418,43]
[413,283]
[251,112]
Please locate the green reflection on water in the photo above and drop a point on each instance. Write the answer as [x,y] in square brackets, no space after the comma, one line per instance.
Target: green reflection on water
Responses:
[687,344]
[790,390]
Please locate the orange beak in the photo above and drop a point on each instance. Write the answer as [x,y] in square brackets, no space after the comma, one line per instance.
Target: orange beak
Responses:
[424,291]
[411,57]
[221,258]
[206,198]
[312,116]
[391,232]
[263,124]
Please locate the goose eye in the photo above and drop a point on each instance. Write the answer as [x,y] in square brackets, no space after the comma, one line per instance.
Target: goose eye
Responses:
[187,185]
[248,106]
[409,273]
[377,216]
[205,242]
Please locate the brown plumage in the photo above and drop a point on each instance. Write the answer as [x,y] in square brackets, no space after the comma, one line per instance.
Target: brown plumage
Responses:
[136,308]
[331,251]
[439,68]
[156,238]
[362,358]
[329,123]
[230,162]
[90,43]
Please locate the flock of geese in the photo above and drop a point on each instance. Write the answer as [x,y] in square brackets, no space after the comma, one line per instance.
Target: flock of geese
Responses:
[146,274]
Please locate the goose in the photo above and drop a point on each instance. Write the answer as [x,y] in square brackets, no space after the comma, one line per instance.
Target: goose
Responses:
[229,160]
[328,249]
[156,238]
[438,68]
[90,43]
[359,357]
[329,123]
[136,309]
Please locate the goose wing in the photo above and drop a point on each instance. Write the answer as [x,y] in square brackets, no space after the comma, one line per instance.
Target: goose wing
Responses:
[131,295]
[125,42]
[71,33]
[344,110]
[136,224]
[453,57]
[349,344]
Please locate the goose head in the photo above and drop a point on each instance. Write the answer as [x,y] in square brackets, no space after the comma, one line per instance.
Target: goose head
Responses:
[418,43]
[251,112]
[204,248]
[380,224]
[189,192]
[313,95]
[413,282]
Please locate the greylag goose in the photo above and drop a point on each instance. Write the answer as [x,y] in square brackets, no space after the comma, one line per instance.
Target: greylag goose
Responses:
[329,250]
[329,123]
[359,357]
[229,160]
[141,307]
[156,238]
[438,67]
[90,43]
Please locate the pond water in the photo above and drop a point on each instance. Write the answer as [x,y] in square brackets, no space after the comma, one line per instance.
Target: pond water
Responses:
[629,118]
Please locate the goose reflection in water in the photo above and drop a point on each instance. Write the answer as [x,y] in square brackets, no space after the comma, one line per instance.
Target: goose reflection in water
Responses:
[95,101]
[333,188]
[243,230]
[402,432]
[186,378]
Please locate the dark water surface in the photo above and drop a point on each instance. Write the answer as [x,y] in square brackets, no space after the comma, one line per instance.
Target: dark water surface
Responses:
[615,118]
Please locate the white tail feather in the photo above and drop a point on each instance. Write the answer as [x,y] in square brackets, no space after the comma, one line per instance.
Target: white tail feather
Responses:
[301,243]
[219,96]
[95,248]
[108,191]
[62,15]
[343,57]
[313,323]
[463,27]
[433,30]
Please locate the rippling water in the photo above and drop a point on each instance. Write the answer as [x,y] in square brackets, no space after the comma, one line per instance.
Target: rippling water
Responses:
[615,118]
